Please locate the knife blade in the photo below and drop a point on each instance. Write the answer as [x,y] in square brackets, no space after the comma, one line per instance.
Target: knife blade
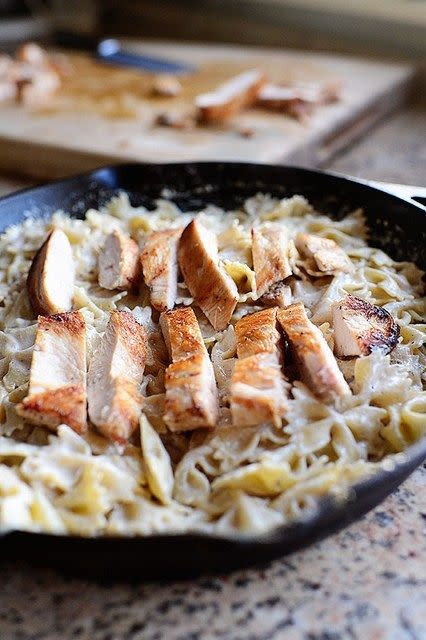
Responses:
[111,51]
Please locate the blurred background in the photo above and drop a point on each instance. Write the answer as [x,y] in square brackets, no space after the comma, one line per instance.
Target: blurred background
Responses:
[387,38]
[390,27]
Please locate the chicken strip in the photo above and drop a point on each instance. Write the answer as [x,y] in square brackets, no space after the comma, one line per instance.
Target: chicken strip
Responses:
[57,389]
[160,268]
[270,249]
[115,375]
[212,288]
[231,97]
[327,255]
[316,362]
[258,390]
[50,281]
[182,334]
[361,328]
[119,266]
[257,333]
[258,386]
[191,393]
[278,295]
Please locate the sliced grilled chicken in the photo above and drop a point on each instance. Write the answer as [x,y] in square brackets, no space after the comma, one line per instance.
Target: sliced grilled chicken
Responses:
[115,376]
[160,268]
[278,295]
[270,257]
[182,334]
[328,256]
[191,393]
[316,362]
[50,281]
[119,266]
[360,328]
[257,333]
[258,386]
[211,287]
[57,390]
[229,98]
[258,391]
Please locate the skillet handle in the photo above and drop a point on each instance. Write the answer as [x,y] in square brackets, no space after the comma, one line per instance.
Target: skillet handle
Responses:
[415,194]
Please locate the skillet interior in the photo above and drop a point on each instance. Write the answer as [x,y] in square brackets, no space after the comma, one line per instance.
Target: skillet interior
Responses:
[396,225]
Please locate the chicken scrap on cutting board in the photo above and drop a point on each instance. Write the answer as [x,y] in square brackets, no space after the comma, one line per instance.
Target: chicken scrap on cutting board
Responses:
[225,101]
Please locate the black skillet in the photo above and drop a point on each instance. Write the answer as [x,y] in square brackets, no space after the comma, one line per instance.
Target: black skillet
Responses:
[397,225]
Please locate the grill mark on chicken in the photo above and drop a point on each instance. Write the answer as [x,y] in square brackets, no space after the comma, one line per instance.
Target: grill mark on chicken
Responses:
[212,288]
[191,394]
[258,386]
[361,328]
[119,266]
[314,358]
[115,375]
[50,281]
[326,253]
[278,295]
[57,389]
[270,249]
[160,268]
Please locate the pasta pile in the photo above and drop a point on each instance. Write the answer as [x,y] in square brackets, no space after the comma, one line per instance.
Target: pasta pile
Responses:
[229,480]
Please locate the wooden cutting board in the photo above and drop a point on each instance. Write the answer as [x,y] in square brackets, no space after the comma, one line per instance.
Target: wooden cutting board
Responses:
[106,114]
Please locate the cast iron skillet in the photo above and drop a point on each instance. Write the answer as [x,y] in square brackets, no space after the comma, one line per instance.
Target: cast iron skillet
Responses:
[396,225]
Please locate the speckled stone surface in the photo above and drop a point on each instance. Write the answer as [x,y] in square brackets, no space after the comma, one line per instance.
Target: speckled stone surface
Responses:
[365,583]
[393,152]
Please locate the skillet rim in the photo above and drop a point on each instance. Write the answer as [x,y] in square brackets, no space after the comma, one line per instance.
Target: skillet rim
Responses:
[371,185]
[325,519]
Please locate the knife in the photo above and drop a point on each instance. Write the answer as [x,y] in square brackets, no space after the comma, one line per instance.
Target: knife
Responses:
[111,51]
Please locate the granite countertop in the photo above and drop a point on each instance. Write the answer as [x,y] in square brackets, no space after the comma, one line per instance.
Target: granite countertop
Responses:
[365,583]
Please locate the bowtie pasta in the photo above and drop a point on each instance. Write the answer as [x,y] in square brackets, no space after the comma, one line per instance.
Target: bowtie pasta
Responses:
[229,480]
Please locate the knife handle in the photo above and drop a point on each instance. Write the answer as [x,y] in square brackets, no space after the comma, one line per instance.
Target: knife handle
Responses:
[72,40]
